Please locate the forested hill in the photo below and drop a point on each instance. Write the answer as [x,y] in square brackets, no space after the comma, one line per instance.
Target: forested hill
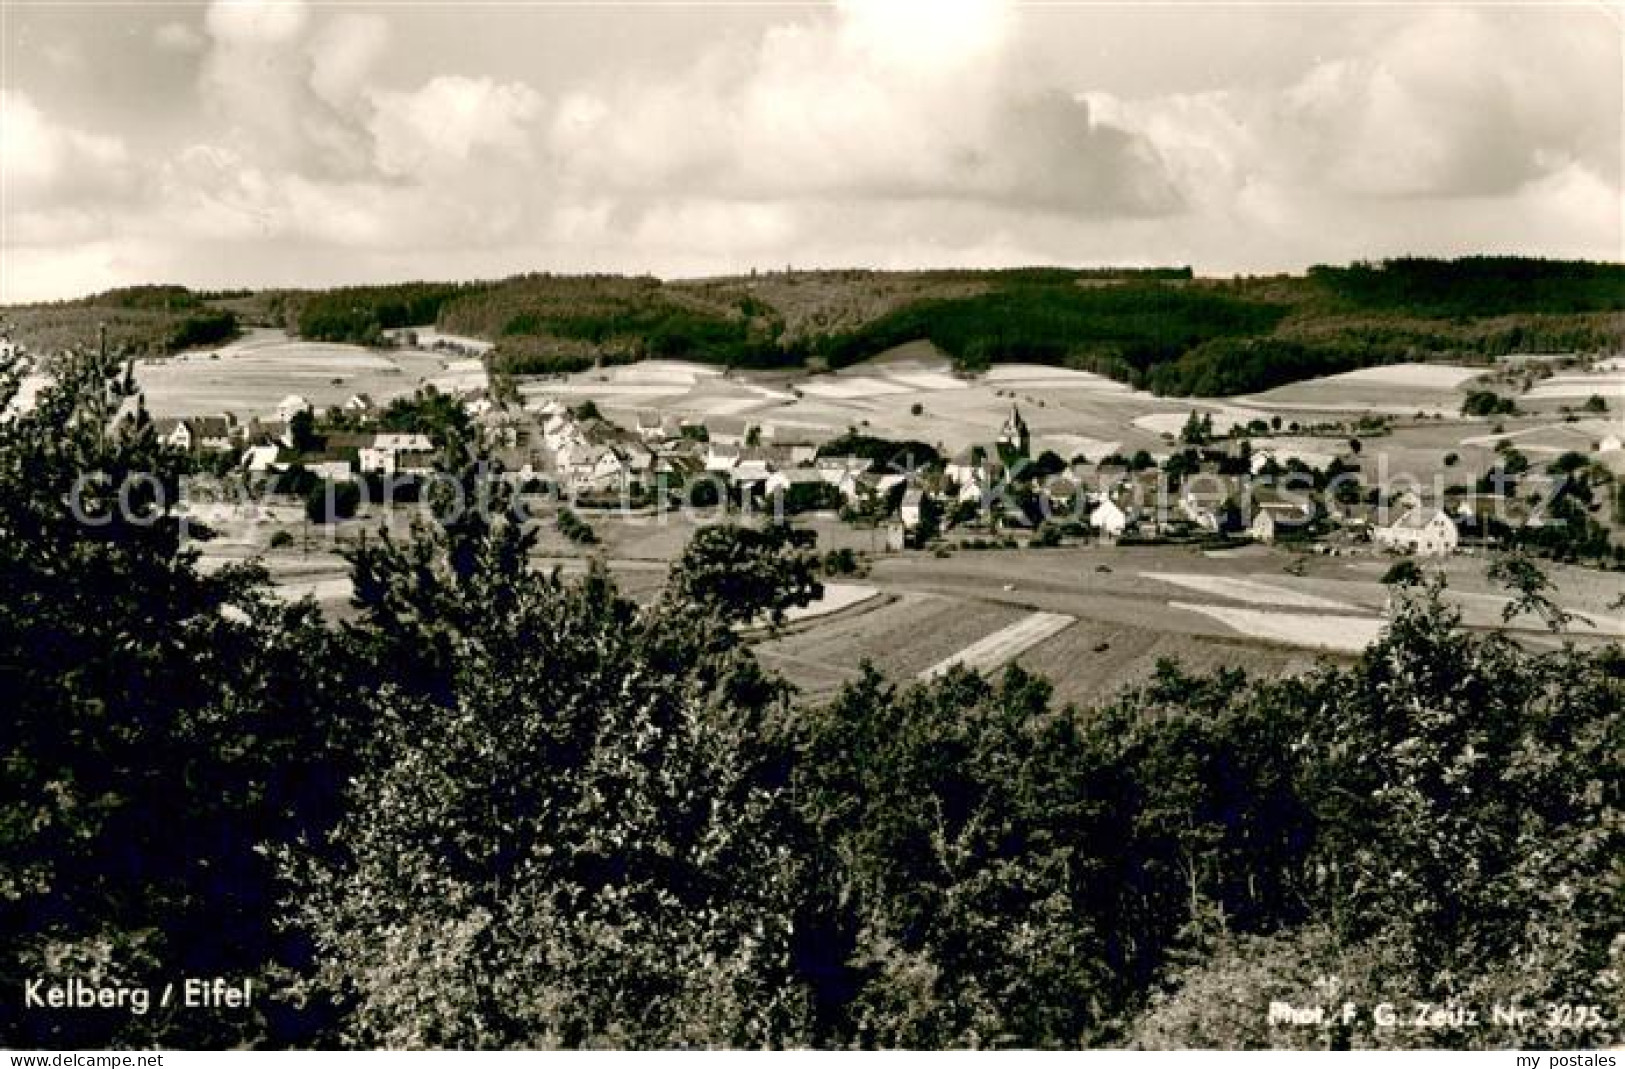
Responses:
[1164,329]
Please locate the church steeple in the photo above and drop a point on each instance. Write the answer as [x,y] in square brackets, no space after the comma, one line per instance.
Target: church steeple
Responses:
[1014,433]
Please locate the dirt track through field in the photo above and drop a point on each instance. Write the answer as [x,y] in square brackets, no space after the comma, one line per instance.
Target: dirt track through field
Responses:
[1004,645]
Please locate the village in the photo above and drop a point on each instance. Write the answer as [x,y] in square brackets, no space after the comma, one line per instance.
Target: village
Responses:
[1034,516]
[1205,489]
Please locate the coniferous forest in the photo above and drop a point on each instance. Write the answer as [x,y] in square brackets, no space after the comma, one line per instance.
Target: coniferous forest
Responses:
[501,807]
[1165,330]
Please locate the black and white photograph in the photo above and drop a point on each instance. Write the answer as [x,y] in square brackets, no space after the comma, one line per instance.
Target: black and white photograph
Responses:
[812,525]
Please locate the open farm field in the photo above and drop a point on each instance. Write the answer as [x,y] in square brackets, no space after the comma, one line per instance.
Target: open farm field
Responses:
[1395,389]
[1002,646]
[249,376]
[1071,412]
[1093,619]
[1577,386]
[902,637]
[1093,661]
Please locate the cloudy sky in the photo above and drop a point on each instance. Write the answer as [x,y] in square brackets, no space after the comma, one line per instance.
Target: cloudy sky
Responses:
[278,143]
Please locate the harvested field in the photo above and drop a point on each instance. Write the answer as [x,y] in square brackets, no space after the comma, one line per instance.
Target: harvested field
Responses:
[1070,411]
[1397,389]
[902,638]
[249,376]
[1578,386]
[1546,437]
[838,597]
[1248,590]
[1004,645]
[1093,661]
[1224,417]
[1347,634]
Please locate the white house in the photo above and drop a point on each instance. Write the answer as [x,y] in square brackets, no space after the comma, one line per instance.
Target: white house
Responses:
[608,471]
[200,432]
[1426,532]
[912,507]
[596,468]
[1109,518]
[750,473]
[290,406]
[1272,516]
[173,432]
[1264,526]
[261,458]
[1610,444]
[383,455]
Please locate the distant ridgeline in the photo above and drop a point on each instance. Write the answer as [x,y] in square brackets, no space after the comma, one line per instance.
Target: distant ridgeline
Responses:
[140,319]
[1162,329]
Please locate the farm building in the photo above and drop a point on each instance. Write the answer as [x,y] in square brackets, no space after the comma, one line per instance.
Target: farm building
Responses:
[1426,532]
[1275,515]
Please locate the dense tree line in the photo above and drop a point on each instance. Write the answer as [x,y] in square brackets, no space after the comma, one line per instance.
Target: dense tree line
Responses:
[156,320]
[1476,285]
[205,326]
[1154,329]
[1161,329]
[888,455]
[503,807]
[1119,329]
[361,314]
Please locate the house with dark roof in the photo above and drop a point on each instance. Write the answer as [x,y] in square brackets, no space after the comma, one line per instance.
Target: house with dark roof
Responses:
[197,432]
[1424,531]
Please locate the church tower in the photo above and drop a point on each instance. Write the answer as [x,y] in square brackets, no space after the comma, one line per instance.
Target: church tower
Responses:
[1014,433]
